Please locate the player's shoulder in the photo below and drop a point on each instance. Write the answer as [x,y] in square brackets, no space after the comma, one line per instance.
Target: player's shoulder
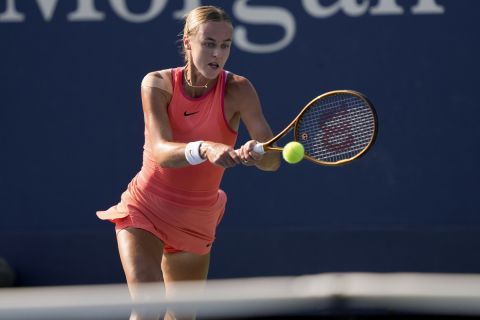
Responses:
[237,84]
[240,93]
[161,79]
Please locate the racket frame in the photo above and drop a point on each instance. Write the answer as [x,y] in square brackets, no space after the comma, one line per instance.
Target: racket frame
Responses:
[270,144]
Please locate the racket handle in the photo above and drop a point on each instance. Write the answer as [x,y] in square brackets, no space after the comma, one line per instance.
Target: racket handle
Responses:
[258,148]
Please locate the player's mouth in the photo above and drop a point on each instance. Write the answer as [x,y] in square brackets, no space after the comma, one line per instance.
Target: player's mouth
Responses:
[214,65]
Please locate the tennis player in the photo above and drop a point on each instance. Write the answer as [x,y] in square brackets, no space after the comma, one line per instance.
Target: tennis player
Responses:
[166,219]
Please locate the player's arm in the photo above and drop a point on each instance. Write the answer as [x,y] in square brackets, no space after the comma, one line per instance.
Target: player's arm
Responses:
[257,126]
[156,92]
[156,95]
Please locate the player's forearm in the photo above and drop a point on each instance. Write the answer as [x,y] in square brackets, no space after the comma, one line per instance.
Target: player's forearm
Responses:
[170,155]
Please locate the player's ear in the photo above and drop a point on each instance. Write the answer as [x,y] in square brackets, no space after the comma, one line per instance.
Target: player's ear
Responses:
[186,43]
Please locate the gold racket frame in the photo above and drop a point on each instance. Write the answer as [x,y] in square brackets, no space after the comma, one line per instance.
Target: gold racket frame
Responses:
[269,145]
[331,93]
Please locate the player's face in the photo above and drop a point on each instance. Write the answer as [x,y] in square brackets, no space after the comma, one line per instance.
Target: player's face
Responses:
[210,47]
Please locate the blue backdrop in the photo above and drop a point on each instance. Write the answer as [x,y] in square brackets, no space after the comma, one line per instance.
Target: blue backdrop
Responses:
[71,134]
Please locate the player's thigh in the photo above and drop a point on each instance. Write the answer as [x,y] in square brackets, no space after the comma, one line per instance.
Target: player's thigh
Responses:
[141,255]
[185,266]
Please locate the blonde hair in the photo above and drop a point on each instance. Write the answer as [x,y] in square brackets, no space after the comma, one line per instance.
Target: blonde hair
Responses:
[196,17]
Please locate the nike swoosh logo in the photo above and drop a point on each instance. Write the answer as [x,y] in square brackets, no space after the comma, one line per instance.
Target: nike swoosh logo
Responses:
[186,114]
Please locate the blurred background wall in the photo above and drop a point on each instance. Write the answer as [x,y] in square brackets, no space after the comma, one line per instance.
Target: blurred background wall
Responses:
[71,134]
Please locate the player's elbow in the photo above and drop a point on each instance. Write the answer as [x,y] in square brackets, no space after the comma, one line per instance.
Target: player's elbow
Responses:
[161,159]
[269,163]
[270,167]
[161,156]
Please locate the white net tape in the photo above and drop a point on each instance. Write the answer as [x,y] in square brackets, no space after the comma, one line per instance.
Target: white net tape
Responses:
[455,294]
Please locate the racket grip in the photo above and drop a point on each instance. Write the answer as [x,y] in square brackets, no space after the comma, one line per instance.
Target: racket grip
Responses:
[258,148]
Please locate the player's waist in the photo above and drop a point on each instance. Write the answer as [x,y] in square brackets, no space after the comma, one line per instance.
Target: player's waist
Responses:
[168,187]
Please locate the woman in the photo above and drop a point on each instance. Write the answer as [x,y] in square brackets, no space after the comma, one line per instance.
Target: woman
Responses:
[166,220]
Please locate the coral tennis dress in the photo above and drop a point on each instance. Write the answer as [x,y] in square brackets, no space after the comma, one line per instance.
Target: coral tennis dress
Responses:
[181,206]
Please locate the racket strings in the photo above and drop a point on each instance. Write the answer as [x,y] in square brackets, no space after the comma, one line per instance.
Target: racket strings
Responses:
[336,128]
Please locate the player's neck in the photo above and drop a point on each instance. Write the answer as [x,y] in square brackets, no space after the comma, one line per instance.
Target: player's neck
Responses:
[194,86]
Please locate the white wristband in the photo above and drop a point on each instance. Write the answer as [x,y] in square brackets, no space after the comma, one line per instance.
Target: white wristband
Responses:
[192,153]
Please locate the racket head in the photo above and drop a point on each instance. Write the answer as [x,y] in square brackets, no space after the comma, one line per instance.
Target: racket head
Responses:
[336,127]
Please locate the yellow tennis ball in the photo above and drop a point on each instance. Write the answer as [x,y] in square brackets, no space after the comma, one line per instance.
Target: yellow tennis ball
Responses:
[293,152]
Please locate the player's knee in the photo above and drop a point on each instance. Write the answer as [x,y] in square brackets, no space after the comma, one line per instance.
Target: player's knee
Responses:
[142,274]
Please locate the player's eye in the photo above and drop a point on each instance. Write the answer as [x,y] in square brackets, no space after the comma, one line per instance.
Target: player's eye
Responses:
[209,44]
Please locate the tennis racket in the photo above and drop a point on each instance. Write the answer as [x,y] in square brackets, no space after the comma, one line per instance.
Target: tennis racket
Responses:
[335,128]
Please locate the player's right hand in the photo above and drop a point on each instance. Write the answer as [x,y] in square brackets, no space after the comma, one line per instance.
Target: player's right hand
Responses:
[220,154]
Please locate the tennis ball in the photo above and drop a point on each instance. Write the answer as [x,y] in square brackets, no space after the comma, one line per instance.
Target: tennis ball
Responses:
[293,152]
